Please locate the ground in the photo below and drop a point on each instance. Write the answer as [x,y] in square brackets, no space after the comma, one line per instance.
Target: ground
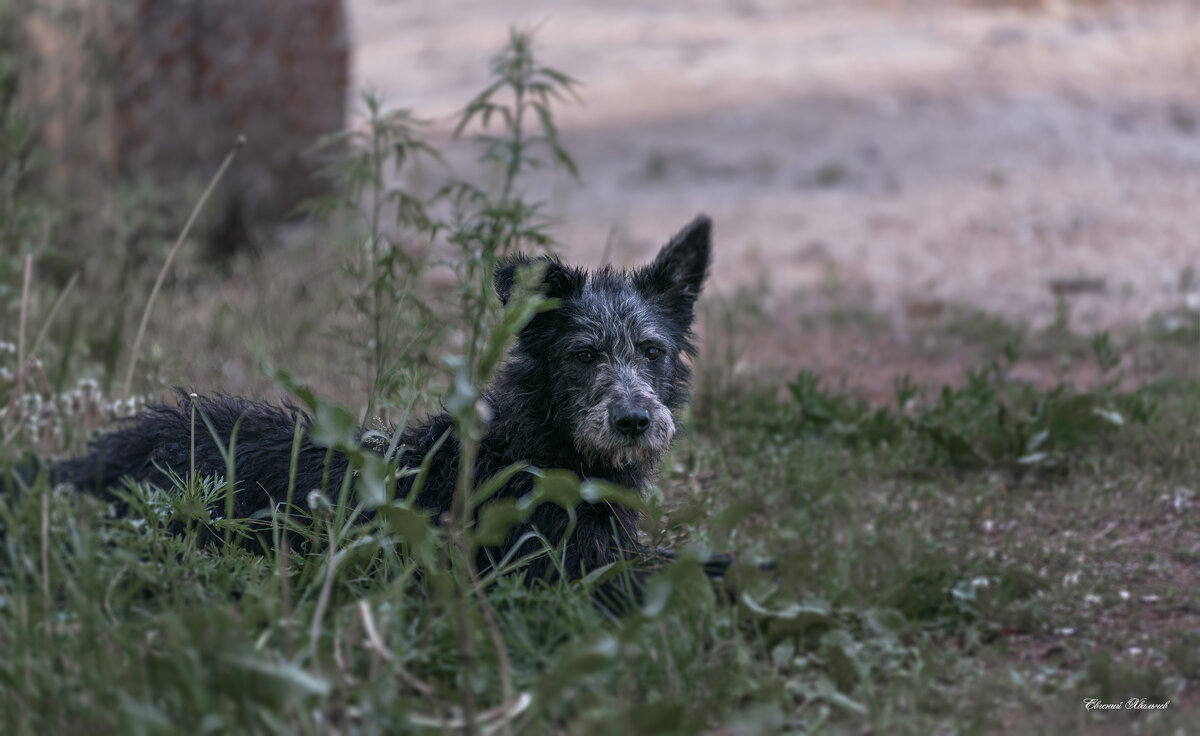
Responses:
[907,158]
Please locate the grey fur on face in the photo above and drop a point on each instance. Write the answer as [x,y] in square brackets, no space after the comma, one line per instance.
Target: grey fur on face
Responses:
[619,389]
[619,358]
[611,360]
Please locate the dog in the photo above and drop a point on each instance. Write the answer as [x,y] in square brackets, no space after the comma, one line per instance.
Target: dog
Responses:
[593,386]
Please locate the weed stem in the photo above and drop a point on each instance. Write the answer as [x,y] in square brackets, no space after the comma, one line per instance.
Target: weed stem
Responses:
[162,273]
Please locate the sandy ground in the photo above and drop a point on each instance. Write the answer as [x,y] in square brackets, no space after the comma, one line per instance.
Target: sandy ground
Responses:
[910,154]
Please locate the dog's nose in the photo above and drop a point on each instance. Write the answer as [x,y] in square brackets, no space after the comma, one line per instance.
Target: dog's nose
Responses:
[629,420]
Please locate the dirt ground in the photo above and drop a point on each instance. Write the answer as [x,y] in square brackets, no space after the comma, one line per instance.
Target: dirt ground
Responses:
[901,156]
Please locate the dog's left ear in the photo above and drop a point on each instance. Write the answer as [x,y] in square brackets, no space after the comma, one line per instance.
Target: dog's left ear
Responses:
[682,265]
[505,275]
[558,281]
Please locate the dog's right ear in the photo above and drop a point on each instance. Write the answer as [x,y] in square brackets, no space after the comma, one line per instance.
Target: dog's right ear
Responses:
[682,265]
[559,281]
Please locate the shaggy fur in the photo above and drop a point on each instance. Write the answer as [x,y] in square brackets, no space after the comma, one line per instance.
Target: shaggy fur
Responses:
[591,387]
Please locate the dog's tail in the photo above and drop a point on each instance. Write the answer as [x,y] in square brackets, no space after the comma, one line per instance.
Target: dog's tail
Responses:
[165,442]
[147,447]
[24,472]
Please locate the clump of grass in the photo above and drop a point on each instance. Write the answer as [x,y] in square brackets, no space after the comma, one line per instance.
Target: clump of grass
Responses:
[989,421]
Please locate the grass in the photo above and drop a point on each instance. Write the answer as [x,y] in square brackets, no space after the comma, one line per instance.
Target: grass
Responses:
[981,557]
[911,596]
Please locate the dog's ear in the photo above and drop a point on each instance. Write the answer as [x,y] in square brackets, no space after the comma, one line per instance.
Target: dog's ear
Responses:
[682,265]
[558,280]
[506,274]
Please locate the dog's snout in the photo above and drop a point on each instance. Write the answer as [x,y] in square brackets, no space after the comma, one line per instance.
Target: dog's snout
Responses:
[631,421]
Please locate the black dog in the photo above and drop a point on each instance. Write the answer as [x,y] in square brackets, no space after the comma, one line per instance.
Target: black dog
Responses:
[591,386]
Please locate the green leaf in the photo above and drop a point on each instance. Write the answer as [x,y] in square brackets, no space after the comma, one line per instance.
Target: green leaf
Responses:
[656,595]
[295,679]
[845,702]
[334,426]
[574,664]
[414,526]
[561,487]
[598,491]
[1036,440]
[489,487]
[496,519]
[665,716]
[724,521]
[815,611]
[839,665]
[373,475]
[1033,458]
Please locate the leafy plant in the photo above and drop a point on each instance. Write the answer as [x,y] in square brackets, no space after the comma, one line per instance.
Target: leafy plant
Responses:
[402,330]
[990,421]
[836,414]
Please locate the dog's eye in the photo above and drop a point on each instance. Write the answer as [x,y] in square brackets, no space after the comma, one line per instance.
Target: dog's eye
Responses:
[653,353]
[585,356]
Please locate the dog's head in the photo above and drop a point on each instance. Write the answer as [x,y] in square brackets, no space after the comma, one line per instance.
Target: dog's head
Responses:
[610,363]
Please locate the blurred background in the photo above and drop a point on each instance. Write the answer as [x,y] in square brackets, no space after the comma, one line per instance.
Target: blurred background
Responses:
[975,152]
[898,163]
[894,183]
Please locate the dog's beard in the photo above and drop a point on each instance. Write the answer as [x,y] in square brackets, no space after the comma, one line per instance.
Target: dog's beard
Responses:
[599,444]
